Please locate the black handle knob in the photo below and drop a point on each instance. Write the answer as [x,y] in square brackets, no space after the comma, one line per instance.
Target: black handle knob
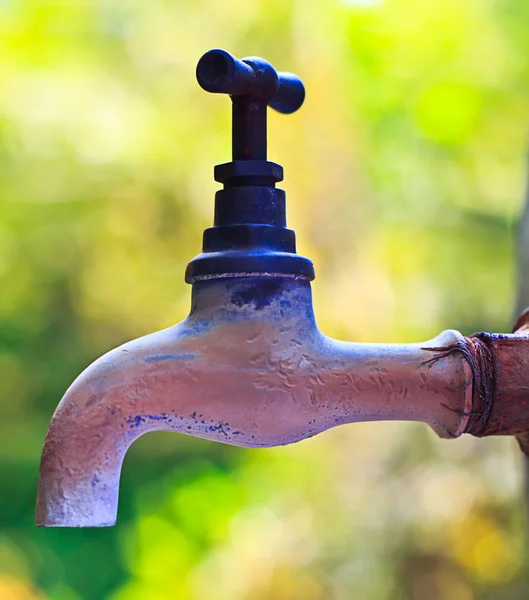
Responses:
[219,72]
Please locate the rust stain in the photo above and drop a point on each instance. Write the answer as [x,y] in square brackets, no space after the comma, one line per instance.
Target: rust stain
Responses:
[479,358]
[499,364]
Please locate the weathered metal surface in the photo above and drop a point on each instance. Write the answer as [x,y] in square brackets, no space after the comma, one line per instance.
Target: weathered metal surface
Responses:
[248,367]
[504,384]
[499,367]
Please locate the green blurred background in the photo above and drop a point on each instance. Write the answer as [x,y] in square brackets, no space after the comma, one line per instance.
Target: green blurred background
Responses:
[405,175]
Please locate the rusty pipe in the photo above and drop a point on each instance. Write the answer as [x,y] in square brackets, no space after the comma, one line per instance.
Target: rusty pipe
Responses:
[248,367]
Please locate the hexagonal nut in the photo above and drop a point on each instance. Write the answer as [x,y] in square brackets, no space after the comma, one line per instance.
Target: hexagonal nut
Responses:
[248,168]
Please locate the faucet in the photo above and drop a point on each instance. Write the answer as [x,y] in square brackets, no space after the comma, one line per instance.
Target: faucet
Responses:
[249,366]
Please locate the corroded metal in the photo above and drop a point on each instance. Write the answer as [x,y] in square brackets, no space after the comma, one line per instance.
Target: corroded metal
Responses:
[248,367]
[498,364]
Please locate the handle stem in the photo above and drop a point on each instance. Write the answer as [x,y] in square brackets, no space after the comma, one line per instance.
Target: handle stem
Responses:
[248,129]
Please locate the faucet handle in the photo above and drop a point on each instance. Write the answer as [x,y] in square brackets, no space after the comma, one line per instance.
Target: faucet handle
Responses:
[249,235]
[219,72]
[253,84]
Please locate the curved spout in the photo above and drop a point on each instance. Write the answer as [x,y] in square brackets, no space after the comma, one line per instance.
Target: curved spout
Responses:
[248,367]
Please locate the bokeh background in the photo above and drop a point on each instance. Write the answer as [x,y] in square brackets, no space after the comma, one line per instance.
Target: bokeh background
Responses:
[405,173]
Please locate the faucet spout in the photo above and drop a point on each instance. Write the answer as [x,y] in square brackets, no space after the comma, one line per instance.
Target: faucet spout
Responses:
[248,367]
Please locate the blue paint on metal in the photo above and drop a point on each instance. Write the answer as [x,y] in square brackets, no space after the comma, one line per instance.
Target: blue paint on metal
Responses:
[259,293]
[220,427]
[195,327]
[160,357]
[140,419]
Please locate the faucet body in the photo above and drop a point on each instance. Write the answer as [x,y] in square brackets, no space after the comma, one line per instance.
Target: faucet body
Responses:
[248,367]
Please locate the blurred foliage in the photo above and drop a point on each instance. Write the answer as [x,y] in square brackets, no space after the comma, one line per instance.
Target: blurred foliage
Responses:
[404,172]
